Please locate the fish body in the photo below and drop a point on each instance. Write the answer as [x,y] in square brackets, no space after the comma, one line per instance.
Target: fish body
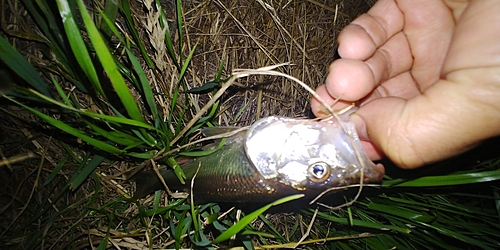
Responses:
[275,157]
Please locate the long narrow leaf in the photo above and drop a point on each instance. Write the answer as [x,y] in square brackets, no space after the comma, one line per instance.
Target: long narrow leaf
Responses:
[447,180]
[60,90]
[89,168]
[111,12]
[205,152]
[125,7]
[92,114]
[178,6]
[70,130]
[119,120]
[234,229]
[145,87]
[78,45]
[17,63]
[362,223]
[111,27]
[186,64]
[110,66]
[168,37]
[115,136]
[403,213]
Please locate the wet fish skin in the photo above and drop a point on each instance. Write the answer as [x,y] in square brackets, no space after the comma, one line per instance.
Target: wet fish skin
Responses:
[276,157]
[289,150]
[224,176]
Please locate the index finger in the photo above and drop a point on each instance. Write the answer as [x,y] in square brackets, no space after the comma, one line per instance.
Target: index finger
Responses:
[360,39]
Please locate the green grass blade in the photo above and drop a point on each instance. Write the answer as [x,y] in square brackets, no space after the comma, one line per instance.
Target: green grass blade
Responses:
[110,25]
[186,64]
[154,211]
[111,8]
[362,223]
[70,130]
[196,221]
[78,46]
[80,177]
[496,196]
[89,113]
[403,213]
[125,7]
[273,229]
[60,90]
[234,229]
[446,180]
[39,19]
[110,66]
[119,120]
[54,172]
[168,37]
[457,235]
[219,71]
[115,136]
[171,162]
[145,156]
[17,63]
[205,152]
[208,86]
[178,6]
[145,87]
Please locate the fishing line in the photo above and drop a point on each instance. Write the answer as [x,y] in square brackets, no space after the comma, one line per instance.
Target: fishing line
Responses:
[239,73]
[269,70]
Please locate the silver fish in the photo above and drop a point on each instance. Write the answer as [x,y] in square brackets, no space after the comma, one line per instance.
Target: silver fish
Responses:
[275,157]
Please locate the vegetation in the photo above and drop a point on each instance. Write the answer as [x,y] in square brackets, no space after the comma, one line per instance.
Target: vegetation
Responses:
[95,91]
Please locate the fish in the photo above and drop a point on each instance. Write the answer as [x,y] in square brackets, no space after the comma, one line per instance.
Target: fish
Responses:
[275,157]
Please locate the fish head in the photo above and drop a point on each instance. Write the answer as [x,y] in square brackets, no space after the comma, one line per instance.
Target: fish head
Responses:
[308,154]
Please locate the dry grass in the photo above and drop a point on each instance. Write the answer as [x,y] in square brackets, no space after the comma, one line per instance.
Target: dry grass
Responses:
[256,34]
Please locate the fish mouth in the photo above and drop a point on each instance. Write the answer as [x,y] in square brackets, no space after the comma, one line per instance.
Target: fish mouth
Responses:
[374,173]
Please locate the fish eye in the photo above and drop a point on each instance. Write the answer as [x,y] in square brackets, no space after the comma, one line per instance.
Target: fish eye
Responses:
[319,171]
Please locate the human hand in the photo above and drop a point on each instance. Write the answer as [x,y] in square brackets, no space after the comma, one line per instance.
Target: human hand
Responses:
[427,77]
